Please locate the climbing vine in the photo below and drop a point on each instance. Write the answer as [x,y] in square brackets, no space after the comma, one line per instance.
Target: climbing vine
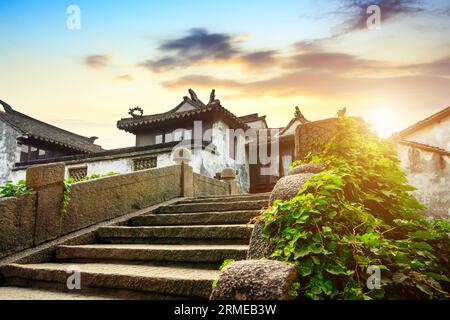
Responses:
[356,216]
[10,189]
[67,188]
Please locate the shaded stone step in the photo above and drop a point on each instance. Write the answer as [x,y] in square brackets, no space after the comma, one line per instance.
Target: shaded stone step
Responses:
[156,281]
[167,253]
[233,198]
[211,234]
[213,206]
[17,293]
[203,218]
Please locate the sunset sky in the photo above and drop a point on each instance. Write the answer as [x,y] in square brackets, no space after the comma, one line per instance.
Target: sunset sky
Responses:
[261,56]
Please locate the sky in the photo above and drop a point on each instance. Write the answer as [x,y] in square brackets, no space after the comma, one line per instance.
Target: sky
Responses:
[261,56]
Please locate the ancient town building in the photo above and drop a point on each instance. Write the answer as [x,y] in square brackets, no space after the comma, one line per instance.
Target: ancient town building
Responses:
[25,139]
[424,151]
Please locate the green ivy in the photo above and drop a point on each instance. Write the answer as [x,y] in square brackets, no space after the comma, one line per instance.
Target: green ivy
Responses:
[10,189]
[68,184]
[357,213]
[226,263]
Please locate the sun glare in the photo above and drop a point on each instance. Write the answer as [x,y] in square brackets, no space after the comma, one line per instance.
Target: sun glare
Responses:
[382,121]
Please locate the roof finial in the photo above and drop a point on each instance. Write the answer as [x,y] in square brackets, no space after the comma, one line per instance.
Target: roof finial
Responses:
[341,113]
[298,114]
[193,95]
[136,112]
[6,106]
[212,97]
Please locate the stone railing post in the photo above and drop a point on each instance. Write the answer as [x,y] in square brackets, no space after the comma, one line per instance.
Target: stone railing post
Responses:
[187,180]
[48,183]
[228,175]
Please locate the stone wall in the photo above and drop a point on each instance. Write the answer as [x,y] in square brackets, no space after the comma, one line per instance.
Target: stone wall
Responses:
[204,186]
[36,218]
[204,162]
[429,172]
[17,223]
[312,136]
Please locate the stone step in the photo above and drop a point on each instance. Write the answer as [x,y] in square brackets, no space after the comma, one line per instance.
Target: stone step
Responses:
[213,206]
[234,198]
[203,218]
[210,234]
[17,293]
[154,282]
[159,253]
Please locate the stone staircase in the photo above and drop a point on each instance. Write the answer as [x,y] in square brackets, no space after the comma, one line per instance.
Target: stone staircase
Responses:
[172,253]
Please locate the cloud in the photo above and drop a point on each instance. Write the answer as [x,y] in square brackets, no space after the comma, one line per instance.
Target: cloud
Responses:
[439,67]
[199,45]
[259,59]
[390,9]
[127,77]
[330,61]
[96,61]
[307,81]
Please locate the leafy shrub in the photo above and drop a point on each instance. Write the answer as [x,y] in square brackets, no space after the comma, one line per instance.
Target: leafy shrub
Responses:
[356,214]
[10,189]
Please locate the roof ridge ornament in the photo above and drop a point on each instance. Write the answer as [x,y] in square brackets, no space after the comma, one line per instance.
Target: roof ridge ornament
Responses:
[299,115]
[212,98]
[193,95]
[6,106]
[136,112]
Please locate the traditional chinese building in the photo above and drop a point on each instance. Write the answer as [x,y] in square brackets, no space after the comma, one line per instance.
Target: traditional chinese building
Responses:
[216,137]
[25,139]
[424,151]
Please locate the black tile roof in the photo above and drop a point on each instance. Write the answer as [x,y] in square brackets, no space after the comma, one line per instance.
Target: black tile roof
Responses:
[129,124]
[36,129]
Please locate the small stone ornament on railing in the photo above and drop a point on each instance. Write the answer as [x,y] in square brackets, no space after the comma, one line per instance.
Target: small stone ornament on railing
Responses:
[181,155]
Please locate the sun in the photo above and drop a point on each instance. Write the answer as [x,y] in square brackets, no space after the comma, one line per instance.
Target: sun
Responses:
[383,121]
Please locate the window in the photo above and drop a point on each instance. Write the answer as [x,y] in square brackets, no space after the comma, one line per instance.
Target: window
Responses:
[144,163]
[42,154]
[159,139]
[178,135]
[78,173]
[24,151]
[33,153]
[168,137]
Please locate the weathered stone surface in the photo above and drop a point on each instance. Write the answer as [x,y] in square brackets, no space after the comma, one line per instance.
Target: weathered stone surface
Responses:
[203,218]
[228,173]
[255,280]
[178,281]
[208,186]
[48,182]
[124,193]
[232,198]
[307,168]
[260,247]
[214,206]
[46,175]
[17,223]
[172,234]
[288,187]
[153,252]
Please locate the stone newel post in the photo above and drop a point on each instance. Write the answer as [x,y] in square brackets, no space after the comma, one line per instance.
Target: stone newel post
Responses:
[182,156]
[48,183]
[228,175]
